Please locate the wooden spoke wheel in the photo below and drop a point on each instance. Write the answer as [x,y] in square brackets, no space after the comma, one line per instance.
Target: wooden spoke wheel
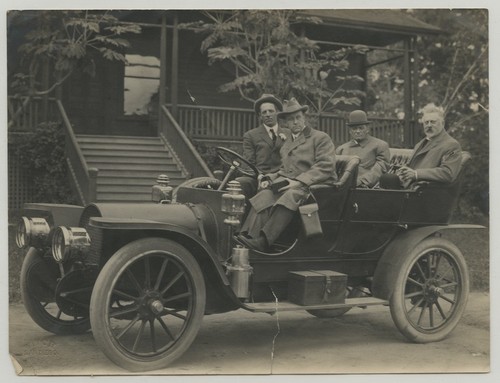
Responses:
[430,292]
[148,304]
[39,282]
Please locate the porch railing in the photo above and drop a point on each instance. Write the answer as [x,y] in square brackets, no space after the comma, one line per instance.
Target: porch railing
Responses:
[83,177]
[25,113]
[181,146]
[206,123]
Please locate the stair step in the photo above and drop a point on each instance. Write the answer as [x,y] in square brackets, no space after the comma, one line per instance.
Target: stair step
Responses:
[126,153]
[129,160]
[118,139]
[143,189]
[136,181]
[150,174]
[128,197]
[132,147]
[128,166]
[139,167]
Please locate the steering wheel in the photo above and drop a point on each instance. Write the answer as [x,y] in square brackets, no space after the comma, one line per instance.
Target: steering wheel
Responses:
[237,162]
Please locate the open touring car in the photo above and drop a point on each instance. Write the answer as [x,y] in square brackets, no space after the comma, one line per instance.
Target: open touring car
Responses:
[142,276]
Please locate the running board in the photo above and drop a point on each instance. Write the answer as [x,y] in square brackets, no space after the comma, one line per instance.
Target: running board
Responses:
[273,307]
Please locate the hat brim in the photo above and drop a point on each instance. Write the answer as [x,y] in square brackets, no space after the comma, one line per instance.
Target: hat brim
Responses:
[304,108]
[358,123]
[270,99]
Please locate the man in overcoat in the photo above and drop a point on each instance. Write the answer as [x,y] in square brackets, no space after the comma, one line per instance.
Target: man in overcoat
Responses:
[308,158]
[437,157]
[261,145]
[373,153]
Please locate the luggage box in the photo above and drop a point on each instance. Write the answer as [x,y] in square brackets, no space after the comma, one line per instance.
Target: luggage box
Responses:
[315,287]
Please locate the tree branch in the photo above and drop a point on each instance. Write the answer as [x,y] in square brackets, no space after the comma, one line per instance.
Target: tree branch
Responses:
[465,78]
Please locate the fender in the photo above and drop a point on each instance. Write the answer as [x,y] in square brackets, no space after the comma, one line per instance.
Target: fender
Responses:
[188,234]
[55,214]
[394,255]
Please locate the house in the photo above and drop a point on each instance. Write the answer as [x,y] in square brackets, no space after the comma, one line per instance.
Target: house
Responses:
[132,121]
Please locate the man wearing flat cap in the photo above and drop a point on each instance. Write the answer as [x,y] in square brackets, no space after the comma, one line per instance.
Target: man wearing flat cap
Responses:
[373,153]
[308,158]
[261,145]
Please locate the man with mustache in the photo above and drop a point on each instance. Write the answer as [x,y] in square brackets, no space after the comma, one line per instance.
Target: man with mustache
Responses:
[308,158]
[435,158]
[373,153]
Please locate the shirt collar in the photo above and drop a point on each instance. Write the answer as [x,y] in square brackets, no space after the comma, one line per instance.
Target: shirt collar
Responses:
[268,128]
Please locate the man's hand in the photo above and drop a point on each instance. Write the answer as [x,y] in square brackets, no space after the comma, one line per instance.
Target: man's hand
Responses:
[291,184]
[406,174]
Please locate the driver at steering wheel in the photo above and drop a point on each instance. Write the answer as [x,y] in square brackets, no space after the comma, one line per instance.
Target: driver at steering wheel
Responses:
[261,145]
[308,157]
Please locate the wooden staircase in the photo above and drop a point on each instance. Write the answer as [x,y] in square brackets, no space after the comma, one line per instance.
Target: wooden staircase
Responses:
[128,166]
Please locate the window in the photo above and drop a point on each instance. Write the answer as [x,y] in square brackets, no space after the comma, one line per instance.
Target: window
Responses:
[142,81]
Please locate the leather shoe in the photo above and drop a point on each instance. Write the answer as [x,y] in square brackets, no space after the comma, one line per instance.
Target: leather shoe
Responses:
[258,243]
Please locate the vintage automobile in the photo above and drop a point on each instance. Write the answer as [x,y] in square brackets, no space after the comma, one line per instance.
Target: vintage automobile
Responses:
[142,276]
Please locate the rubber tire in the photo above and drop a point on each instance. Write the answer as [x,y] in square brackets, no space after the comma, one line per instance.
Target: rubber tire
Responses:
[194,182]
[335,313]
[99,303]
[36,311]
[397,297]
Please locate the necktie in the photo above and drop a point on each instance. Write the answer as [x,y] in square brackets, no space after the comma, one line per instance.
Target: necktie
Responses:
[273,135]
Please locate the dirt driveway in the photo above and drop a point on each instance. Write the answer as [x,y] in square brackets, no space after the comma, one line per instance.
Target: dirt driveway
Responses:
[362,341]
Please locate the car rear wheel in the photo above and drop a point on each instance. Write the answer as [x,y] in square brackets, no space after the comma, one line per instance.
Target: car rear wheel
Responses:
[39,279]
[148,304]
[430,292]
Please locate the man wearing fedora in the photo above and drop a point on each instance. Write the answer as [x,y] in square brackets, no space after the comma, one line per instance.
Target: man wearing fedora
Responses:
[373,152]
[308,158]
[261,145]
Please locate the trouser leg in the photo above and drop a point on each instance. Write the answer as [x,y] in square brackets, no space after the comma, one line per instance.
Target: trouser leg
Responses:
[278,221]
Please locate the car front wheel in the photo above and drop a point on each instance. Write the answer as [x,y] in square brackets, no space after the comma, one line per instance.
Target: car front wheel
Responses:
[430,292]
[147,304]
[39,281]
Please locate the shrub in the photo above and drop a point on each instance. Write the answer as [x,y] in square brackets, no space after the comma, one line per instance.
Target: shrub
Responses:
[41,155]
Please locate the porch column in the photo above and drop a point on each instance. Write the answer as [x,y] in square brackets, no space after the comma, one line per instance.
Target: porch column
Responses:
[174,95]
[408,134]
[162,96]
[416,70]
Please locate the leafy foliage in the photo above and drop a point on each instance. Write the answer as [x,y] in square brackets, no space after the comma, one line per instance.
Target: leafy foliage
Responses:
[41,155]
[67,41]
[268,56]
[453,73]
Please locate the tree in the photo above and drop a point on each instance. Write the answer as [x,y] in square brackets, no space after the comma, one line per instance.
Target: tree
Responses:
[268,56]
[454,74]
[60,43]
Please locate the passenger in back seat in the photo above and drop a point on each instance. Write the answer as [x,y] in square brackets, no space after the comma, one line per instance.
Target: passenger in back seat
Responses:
[373,153]
[436,158]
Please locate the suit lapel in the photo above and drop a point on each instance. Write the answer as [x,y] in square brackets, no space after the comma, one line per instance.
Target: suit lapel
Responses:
[431,144]
[290,144]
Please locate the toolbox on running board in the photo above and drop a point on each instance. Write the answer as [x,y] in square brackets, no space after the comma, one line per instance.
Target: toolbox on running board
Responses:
[315,287]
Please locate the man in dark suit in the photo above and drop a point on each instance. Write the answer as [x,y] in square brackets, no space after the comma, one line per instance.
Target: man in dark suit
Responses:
[308,158]
[437,157]
[261,145]
[373,153]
